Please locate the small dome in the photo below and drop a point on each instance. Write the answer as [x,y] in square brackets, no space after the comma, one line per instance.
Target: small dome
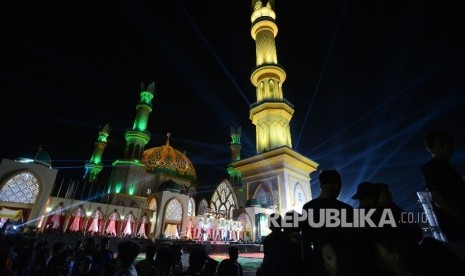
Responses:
[166,159]
[40,156]
[171,186]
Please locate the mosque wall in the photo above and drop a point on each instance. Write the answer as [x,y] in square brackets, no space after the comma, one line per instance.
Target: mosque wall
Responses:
[45,177]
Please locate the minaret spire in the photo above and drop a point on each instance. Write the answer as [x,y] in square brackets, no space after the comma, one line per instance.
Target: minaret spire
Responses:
[168,135]
[138,136]
[95,165]
[235,144]
[272,113]
[235,175]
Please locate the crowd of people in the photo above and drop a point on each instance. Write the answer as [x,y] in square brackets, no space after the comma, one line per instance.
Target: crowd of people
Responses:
[398,247]
[23,255]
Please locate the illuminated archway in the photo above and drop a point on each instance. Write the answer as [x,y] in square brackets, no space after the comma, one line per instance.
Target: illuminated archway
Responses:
[173,218]
[224,200]
[264,195]
[299,197]
[247,226]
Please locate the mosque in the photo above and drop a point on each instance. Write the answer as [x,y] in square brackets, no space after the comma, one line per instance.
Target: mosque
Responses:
[152,192]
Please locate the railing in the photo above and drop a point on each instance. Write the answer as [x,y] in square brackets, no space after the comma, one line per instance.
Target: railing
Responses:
[427,204]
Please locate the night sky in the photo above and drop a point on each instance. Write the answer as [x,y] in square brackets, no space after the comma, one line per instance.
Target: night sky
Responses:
[368,80]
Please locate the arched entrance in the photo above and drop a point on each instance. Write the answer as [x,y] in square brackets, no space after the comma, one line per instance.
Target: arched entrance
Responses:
[173,219]
[246,227]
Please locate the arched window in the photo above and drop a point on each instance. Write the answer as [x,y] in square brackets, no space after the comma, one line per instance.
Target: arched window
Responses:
[173,210]
[264,196]
[202,207]
[21,188]
[152,205]
[299,198]
[191,207]
[223,200]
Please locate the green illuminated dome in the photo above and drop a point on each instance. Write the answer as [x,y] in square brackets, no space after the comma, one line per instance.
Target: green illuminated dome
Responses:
[166,159]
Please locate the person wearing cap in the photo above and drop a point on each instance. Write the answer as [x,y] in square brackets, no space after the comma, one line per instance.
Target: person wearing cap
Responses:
[371,195]
[367,194]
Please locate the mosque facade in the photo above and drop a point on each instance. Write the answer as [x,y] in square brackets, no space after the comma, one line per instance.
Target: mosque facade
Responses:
[153,192]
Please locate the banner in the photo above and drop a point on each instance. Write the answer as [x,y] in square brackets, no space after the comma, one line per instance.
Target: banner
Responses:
[11,214]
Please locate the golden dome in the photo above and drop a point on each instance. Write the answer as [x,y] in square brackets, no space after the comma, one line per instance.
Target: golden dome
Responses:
[166,159]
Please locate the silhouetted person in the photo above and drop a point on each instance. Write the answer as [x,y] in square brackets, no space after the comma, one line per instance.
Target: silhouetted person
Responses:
[82,267]
[127,254]
[437,259]
[285,258]
[338,258]
[233,257]
[104,257]
[58,265]
[386,201]
[144,267]
[447,188]
[87,248]
[177,266]
[367,195]
[395,253]
[372,197]
[24,247]
[5,262]
[210,267]
[276,234]
[40,257]
[227,268]
[197,260]
[330,186]
[164,261]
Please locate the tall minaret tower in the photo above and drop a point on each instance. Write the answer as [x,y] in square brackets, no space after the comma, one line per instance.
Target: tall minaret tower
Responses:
[138,137]
[95,165]
[277,177]
[271,113]
[234,175]
[128,173]
[235,144]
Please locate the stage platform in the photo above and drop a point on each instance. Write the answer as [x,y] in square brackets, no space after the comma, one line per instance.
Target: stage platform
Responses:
[211,247]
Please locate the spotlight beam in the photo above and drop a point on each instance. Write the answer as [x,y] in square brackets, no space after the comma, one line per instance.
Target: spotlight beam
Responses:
[384,104]
[323,71]
[214,54]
